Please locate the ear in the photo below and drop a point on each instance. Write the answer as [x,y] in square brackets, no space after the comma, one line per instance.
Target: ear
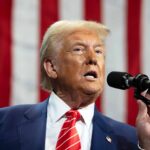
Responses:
[49,68]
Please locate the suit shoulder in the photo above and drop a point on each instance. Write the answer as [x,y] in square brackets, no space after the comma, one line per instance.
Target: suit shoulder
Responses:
[13,112]
[13,109]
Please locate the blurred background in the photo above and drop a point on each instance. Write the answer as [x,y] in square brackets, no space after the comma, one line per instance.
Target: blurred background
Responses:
[23,23]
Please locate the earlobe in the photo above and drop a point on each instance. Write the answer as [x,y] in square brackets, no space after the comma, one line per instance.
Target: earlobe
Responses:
[49,68]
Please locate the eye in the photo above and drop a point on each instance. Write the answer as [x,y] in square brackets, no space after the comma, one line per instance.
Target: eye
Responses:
[99,50]
[78,49]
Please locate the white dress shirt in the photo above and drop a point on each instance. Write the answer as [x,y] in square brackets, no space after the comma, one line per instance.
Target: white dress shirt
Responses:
[55,112]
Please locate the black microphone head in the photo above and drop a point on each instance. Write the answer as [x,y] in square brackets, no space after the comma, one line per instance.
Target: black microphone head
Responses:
[118,80]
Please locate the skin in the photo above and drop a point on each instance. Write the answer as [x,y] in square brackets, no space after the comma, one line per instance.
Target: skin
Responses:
[143,123]
[81,52]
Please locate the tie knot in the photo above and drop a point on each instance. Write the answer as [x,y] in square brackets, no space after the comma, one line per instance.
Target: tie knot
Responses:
[73,114]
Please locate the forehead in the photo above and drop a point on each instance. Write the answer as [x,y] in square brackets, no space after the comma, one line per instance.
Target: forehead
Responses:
[82,34]
[83,31]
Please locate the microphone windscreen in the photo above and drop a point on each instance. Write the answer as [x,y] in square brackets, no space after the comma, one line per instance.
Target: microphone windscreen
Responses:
[118,80]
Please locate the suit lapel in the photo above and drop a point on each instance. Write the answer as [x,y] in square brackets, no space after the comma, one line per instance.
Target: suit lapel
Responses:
[32,129]
[103,137]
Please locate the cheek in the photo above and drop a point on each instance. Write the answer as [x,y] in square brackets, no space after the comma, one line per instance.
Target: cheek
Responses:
[73,63]
[70,66]
[101,64]
[102,70]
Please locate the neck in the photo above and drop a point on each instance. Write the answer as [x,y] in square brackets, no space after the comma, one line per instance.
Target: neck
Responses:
[75,99]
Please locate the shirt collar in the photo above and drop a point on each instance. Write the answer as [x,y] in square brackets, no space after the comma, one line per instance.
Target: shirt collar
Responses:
[87,113]
[57,108]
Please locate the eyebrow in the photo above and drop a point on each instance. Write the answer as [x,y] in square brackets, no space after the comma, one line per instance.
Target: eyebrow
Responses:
[98,45]
[83,44]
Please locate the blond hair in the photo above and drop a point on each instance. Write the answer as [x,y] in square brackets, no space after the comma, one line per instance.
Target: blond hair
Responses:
[56,33]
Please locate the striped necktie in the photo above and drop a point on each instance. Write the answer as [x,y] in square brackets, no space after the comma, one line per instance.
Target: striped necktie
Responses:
[68,138]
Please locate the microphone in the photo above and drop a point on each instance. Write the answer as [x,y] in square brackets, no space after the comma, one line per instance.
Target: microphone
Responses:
[123,80]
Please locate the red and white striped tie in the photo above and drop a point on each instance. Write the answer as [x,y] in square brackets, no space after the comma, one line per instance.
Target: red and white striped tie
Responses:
[68,138]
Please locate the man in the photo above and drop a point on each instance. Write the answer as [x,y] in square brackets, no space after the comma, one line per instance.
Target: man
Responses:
[72,65]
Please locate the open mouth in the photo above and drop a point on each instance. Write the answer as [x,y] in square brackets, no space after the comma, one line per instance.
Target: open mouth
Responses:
[91,75]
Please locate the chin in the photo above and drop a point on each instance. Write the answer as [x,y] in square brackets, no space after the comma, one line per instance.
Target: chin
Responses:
[92,91]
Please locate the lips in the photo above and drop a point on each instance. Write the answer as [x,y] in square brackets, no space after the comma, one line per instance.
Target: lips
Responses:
[91,75]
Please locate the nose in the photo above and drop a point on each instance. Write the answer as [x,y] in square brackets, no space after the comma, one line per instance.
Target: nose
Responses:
[91,62]
[91,57]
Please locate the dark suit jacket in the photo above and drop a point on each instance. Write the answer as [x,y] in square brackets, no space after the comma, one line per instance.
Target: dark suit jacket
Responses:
[23,128]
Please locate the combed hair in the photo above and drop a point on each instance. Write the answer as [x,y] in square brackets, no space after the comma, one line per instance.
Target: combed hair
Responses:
[56,33]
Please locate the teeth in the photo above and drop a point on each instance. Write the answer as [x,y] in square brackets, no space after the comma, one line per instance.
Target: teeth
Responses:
[89,77]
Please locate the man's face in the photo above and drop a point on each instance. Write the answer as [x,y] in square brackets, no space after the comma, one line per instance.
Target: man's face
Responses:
[80,63]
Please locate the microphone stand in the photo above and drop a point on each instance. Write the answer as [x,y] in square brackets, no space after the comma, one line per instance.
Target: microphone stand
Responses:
[137,95]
